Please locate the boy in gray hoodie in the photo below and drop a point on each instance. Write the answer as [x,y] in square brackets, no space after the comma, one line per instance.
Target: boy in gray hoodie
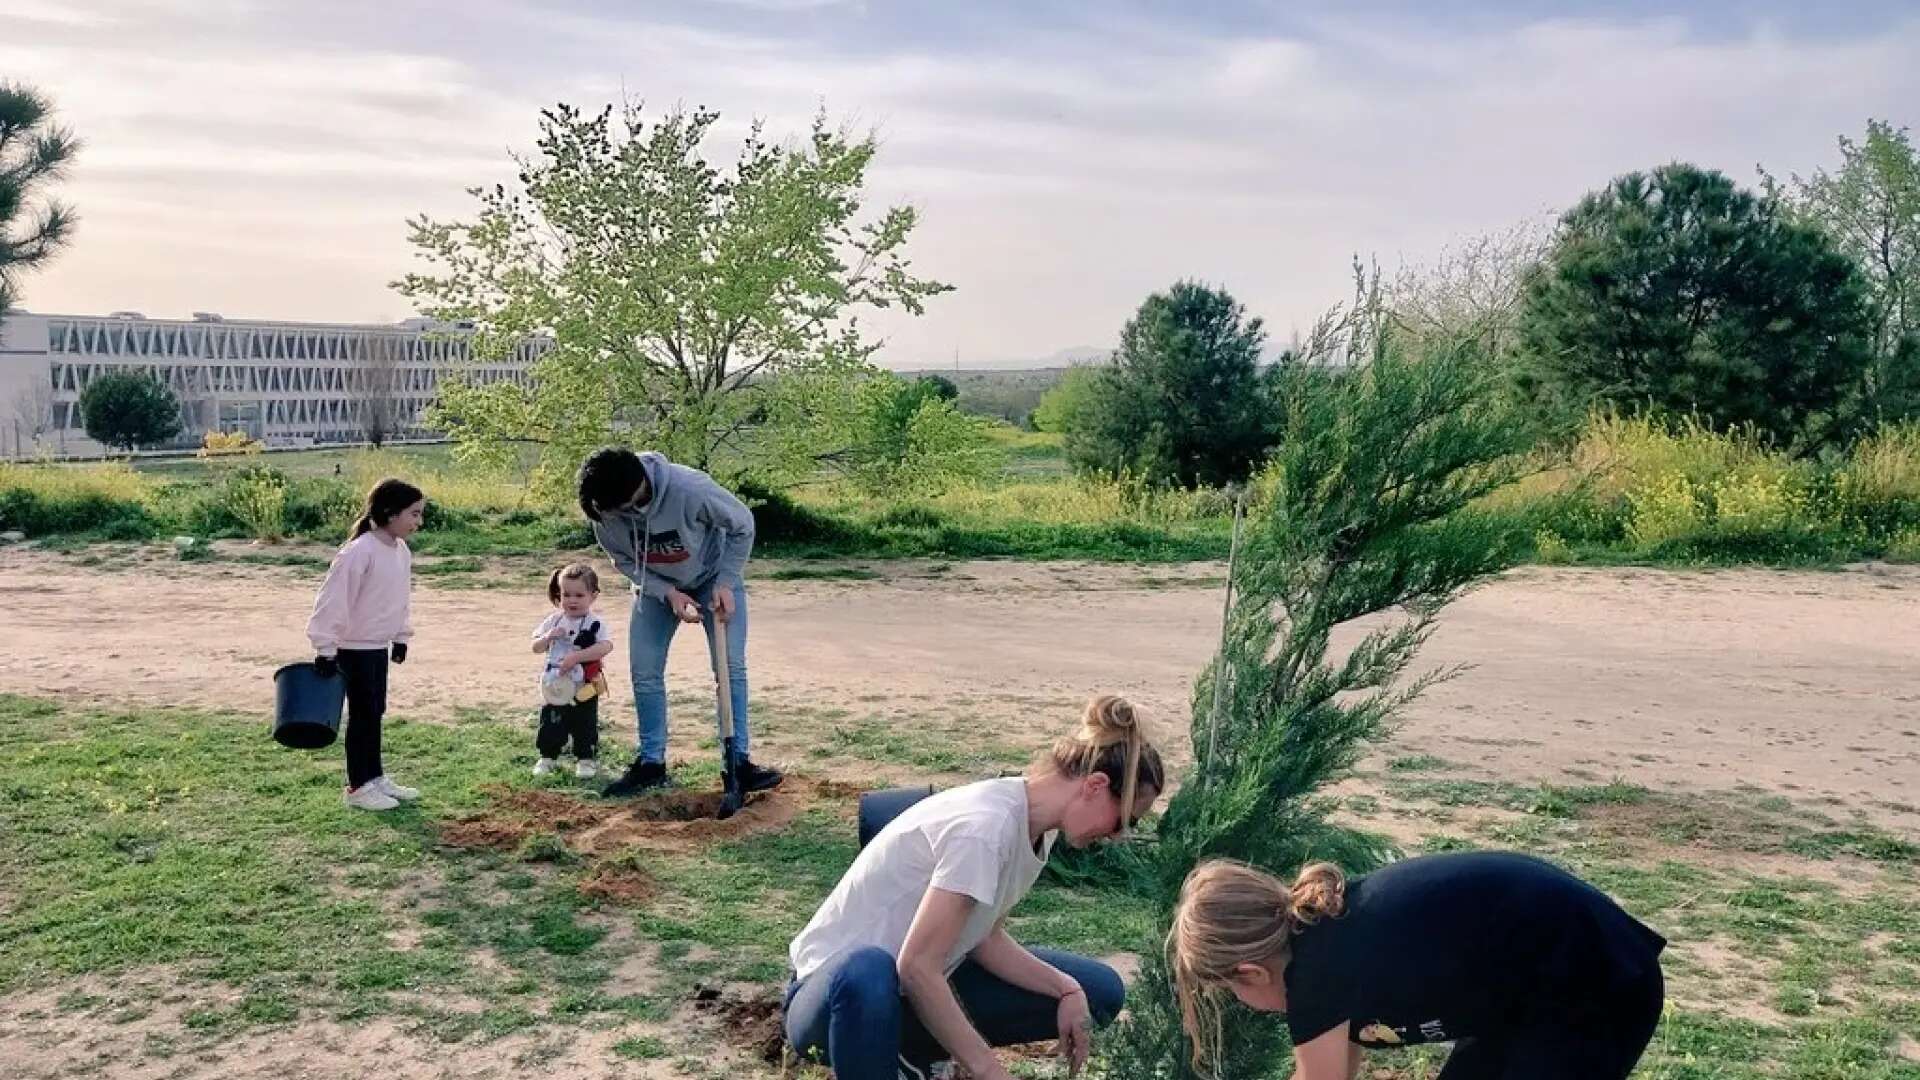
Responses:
[683,541]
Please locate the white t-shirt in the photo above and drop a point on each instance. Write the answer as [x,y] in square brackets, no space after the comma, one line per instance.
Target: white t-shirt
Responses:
[971,840]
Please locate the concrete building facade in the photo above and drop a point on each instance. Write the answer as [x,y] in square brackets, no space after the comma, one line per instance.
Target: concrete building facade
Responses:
[287,384]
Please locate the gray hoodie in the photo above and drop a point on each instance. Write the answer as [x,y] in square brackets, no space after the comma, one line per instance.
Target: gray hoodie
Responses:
[695,532]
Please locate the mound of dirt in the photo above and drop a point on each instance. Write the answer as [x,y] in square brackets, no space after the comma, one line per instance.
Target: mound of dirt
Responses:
[676,820]
[561,811]
[484,830]
[683,821]
[620,884]
[753,1024]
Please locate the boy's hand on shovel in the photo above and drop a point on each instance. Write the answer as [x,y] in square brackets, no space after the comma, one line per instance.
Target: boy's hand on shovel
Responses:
[722,603]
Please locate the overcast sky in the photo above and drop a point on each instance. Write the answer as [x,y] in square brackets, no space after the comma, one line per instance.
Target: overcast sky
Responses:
[259,158]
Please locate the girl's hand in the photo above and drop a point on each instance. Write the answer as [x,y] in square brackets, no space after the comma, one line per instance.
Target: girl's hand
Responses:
[569,661]
[722,603]
[558,633]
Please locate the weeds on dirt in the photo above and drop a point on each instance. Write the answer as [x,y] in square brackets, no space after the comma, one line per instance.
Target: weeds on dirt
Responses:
[1630,490]
[185,843]
[172,854]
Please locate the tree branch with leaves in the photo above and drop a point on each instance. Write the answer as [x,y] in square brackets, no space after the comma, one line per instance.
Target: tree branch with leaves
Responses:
[682,298]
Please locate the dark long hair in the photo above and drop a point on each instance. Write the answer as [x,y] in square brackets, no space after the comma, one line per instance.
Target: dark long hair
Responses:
[384,503]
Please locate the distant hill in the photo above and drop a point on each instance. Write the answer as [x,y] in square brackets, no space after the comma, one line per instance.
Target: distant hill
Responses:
[1079,354]
[1009,389]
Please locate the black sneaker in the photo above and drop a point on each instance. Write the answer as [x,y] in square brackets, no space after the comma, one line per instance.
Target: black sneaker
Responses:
[640,776]
[757,777]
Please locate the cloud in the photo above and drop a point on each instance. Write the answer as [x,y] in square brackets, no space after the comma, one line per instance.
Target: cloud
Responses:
[1067,159]
[47,13]
[787,5]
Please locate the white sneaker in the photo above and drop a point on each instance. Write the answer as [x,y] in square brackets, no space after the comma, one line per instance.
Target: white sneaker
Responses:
[369,796]
[586,768]
[395,791]
[544,766]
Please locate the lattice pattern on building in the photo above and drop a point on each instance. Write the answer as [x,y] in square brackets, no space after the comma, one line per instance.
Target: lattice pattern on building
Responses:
[282,382]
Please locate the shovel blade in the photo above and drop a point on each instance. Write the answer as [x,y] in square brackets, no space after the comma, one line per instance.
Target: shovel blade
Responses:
[733,794]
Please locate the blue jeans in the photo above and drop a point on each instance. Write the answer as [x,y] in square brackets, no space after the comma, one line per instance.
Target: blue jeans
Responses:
[850,1010]
[649,635]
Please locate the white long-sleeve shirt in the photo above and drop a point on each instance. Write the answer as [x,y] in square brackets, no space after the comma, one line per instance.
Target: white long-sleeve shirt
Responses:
[363,603]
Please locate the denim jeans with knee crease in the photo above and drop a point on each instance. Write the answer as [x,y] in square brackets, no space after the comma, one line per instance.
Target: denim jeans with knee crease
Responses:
[850,1012]
[650,634]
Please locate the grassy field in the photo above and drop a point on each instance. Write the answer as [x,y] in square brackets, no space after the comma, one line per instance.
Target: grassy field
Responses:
[175,885]
[1627,492]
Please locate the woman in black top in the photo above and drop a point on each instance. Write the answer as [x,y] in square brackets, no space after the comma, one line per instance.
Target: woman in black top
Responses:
[1529,971]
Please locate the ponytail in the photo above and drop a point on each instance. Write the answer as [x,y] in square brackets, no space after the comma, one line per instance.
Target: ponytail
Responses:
[1232,914]
[1320,892]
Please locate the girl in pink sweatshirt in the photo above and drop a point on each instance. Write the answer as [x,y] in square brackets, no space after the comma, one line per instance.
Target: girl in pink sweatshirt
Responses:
[359,619]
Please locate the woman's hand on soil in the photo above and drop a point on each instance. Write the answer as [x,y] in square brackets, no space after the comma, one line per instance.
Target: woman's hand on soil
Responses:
[1076,1030]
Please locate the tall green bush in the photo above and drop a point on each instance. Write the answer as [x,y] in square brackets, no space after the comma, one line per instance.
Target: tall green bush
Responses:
[1186,401]
[1365,510]
[908,438]
[257,497]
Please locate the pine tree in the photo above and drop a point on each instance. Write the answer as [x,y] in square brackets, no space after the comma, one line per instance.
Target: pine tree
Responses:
[32,152]
[1676,290]
[1365,509]
[129,409]
[1186,401]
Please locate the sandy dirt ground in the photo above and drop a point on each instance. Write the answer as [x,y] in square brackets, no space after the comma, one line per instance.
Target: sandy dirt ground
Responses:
[1801,684]
[1807,684]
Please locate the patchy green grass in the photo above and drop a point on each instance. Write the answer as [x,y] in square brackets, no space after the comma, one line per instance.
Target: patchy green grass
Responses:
[158,855]
[1771,973]
[184,855]
[925,743]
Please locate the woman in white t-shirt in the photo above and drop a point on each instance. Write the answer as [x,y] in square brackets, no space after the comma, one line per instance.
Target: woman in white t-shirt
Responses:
[909,962]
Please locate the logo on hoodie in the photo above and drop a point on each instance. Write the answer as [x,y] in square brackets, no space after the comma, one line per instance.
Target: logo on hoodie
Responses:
[666,548]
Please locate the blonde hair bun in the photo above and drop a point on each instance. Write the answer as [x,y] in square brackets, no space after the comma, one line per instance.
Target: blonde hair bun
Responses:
[1109,719]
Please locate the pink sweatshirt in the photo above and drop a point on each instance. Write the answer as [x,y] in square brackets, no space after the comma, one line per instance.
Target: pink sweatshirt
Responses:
[363,602]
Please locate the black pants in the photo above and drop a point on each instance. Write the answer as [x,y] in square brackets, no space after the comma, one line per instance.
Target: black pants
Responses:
[366,673]
[580,721]
[1603,1042]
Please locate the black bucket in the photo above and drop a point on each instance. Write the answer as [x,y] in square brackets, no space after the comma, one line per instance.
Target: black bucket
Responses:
[306,707]
[877,808]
